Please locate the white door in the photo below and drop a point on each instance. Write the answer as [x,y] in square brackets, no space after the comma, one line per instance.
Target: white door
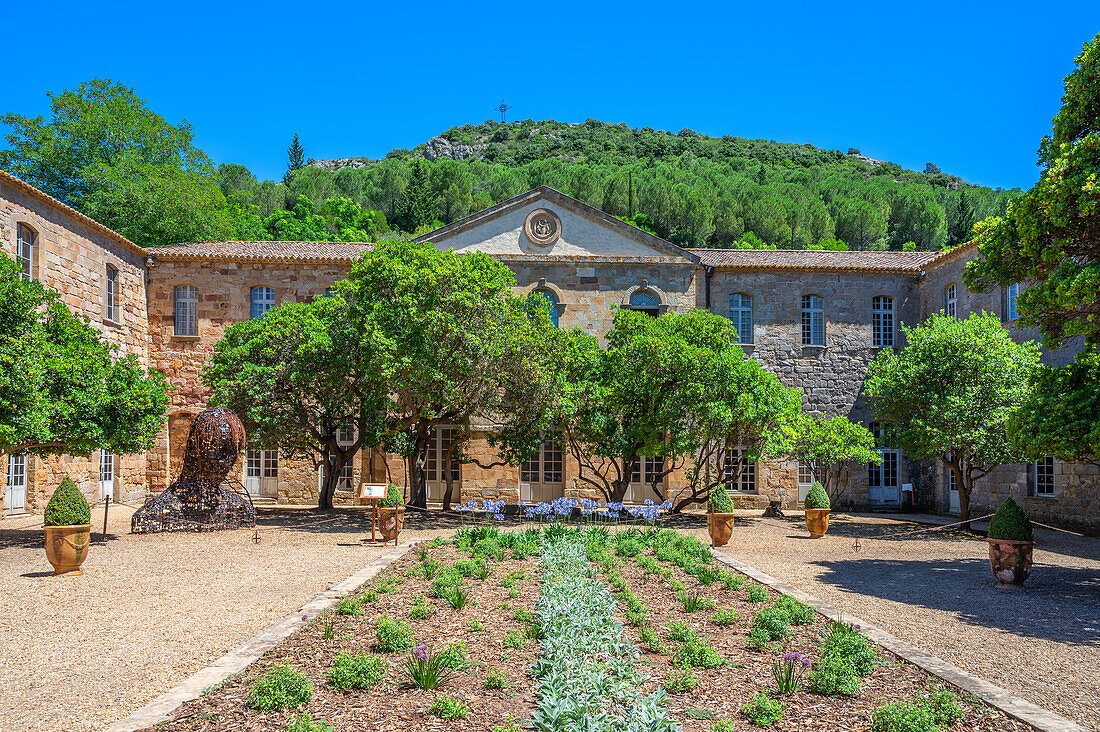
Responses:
[439,450]
[261,474]
[641,480]
[106,475]
[805,480]
[541,477]
[15,497]
[952,492]
[883,488]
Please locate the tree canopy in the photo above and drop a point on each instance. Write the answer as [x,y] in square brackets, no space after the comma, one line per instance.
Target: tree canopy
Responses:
[950,392]
[830,446]
[62,389]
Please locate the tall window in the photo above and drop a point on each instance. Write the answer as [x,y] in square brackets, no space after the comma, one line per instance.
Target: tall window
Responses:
[882,321]
[813,320]
[646,302]
[805,474]
[648,470]
[263,299]
[1040,477]
[263,464]
[112,294]
[1011,293]
[106,474]
[552,302]
[886,474]
[739,473]
[545,466]
[950,300]
[741,315]
[187,310]
[24,251]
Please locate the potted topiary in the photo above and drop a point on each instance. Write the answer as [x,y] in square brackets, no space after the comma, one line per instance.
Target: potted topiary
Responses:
[67,524]
[1011,541]
[391,512]
[720,516]
[817,510]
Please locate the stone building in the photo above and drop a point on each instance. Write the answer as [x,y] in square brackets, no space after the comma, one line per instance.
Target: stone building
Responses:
[815,319]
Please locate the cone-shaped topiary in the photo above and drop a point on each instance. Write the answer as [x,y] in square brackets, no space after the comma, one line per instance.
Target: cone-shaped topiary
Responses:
[816,497]
[67,506]
[720,501]
[1010,522]
[394,497]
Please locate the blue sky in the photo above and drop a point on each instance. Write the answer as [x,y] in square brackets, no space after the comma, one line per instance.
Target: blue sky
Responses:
[969,86]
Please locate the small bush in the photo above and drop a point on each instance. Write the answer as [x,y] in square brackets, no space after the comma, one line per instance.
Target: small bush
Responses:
[725,617]
[720,501]
[477,625]
[797,612]
[67,506]
[902,716]
[816,497]
[305,722]
[652,641]
[495,679]
[943,704]
[769,624]
[732,580]
[514,639]
[693,602]
[457,597]
[834,676]
[680,682]
[488,548]
[763,710]
[680,632]
[757,593]
[356,672]
[394,497]
[394,636]
[422,609]
[455,657]
[280,688]
[845,641]
[698,654]
[723,726]
[1010,522]
[448,708]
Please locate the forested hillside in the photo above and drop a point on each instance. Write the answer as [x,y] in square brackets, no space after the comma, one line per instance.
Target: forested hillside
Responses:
[692,189]
[104,152]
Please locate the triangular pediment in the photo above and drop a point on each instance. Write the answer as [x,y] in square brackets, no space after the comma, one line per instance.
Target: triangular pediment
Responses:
[545,224]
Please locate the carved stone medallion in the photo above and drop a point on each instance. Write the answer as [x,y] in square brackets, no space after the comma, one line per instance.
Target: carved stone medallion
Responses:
[542,227]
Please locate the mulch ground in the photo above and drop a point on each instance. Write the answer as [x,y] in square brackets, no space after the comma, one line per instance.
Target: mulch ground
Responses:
[395,707]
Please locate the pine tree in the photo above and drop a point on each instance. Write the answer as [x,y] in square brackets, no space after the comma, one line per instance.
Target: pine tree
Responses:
[964,218]
[296,157]
[416,206]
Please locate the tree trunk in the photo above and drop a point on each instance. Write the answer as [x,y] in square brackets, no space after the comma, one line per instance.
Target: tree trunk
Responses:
[418,484]
[964,504]
[620,486]
[449,475]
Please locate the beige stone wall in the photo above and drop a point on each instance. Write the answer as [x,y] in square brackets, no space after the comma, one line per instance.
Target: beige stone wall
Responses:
[71,256]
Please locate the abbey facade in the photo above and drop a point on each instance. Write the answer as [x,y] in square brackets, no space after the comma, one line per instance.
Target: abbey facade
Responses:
[816,319]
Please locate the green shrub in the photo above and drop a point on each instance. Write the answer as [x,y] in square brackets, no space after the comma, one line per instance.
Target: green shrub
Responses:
[652,641]
[1009,522]
[757,593]
[680,632]
[723,726]
[477,625]
[902,716]
[944,707]
[514,639]
[680,682]
[769,624]
[394,497]
[845,641]
[797,612]
[394,636]
[725,617]
[422,609]
[349,606]
[457,597]
[763,710]
[720,501]
[305,722]
[448,708]
[356,672]
[280,688]
[488,548]
[732,580]
[455,656]
[495,679]
[67,506]
[834,676]
[698,654]
[816,497]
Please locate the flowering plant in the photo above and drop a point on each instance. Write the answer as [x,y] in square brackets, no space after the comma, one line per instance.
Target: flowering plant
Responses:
[426,669]
[789,670]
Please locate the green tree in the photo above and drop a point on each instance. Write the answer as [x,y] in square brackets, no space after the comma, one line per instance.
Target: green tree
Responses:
[949,394]
[830,446]
[298,377]
[1061,415]
[106,154]
[965,218]
[295,156]
[417,205]
[62,389]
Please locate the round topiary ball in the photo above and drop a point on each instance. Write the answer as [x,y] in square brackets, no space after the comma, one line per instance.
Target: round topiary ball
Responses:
[394,497]
[816,497]
[1010,522]
[67,506]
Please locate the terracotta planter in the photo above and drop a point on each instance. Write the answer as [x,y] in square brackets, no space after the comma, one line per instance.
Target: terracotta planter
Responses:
[720,526]
[66,548]
[817,521]
[390,521]
[1010,560]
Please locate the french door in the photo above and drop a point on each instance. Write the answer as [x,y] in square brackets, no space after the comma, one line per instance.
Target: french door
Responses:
[15,494]
[541,479]
[261,476]
[882,480]
[106,474]
[439,451]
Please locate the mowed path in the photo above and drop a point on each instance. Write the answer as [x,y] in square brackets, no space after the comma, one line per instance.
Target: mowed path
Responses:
[78,653]
[936,591]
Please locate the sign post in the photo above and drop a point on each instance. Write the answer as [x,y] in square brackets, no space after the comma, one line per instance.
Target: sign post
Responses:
[372,492]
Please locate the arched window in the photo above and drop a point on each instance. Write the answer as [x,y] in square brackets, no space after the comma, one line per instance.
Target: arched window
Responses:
[187,310]
[552,301]
[111,294]
[951,300]
[645,301]
[813,320]
[263,299]
[741,315]
[24,251]
[882,321]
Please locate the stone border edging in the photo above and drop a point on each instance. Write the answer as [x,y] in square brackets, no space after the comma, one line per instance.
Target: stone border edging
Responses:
[251,650]
[993,695]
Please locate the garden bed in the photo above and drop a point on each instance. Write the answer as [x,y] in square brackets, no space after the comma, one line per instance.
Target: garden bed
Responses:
[711,663]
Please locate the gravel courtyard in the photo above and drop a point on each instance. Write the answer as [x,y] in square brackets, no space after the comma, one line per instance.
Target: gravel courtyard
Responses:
[936,591]
[81,652]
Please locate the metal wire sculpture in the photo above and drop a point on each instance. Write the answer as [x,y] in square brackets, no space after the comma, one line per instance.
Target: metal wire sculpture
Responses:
[198,501]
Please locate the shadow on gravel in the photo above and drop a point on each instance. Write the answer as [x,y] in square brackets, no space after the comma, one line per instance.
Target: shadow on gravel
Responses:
[1057,603]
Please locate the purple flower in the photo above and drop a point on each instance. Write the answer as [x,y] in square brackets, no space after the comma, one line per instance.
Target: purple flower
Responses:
[421,653]
[305,617]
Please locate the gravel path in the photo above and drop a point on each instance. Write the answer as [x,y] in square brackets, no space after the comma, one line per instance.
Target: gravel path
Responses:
[936,591]
[81,652]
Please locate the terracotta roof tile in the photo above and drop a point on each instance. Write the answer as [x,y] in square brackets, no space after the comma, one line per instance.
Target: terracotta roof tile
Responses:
[790,259]
[263,251]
